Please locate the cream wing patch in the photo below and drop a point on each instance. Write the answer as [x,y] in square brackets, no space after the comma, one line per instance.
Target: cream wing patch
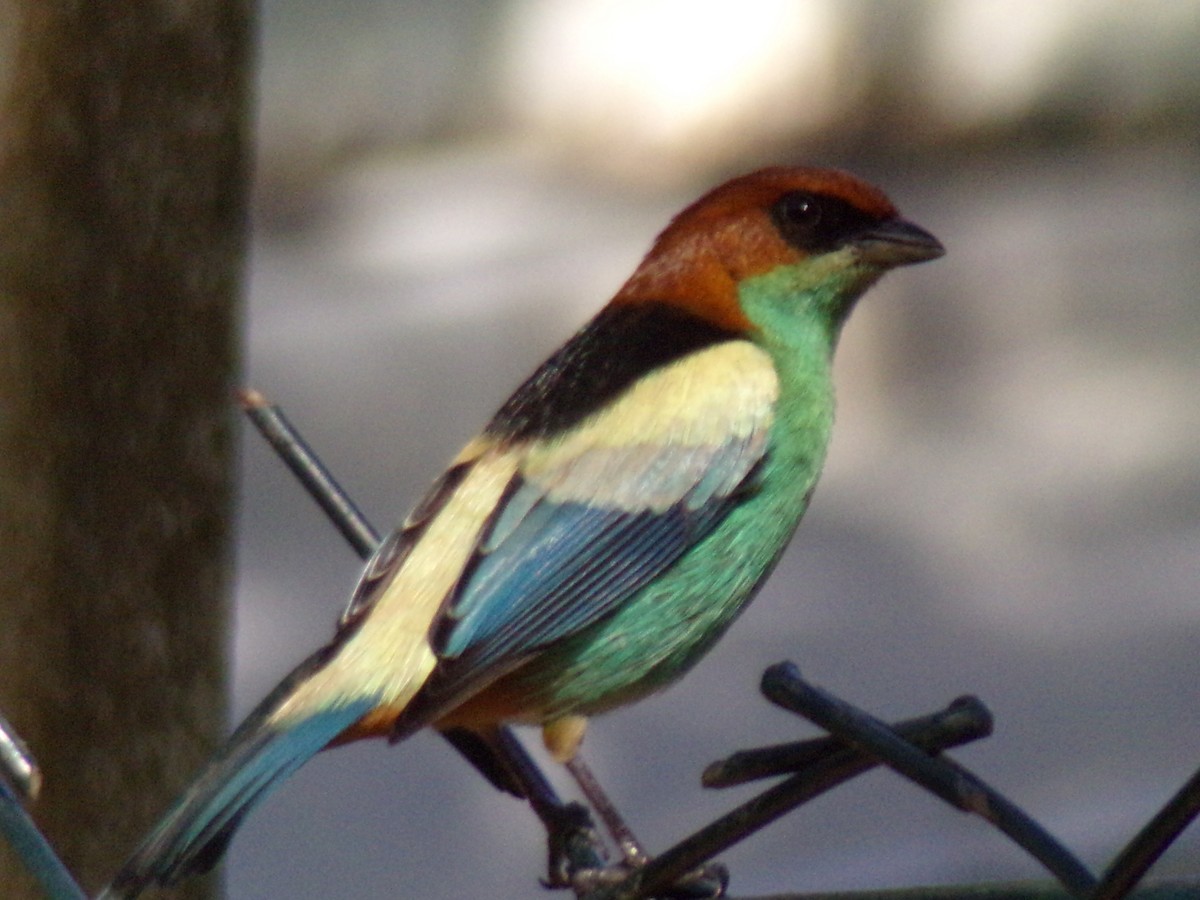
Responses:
[693,429]
[718,400]
[389,657]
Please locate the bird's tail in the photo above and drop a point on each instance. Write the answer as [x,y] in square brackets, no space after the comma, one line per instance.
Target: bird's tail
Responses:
[260,754]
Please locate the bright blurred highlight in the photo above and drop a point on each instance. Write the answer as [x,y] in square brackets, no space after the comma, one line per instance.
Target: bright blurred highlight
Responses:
[632,80]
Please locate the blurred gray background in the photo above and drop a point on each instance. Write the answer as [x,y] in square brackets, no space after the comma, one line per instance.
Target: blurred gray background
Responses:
[1012,503]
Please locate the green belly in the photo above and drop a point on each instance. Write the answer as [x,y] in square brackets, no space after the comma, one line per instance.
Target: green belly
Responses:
[664,629]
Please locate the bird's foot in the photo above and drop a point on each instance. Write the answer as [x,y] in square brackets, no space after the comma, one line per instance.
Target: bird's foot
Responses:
[600,883]
[578,861]
[708,882]
[621,880]
[575,846]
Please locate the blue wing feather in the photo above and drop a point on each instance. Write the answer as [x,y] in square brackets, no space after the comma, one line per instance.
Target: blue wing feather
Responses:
[561,568]
[594,514]
[543,550]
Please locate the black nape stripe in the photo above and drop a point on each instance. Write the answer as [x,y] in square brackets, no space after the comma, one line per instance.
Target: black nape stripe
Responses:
[605,357]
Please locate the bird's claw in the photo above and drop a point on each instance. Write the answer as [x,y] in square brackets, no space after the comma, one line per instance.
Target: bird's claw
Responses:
[619,880]
[575,847]
[599,883]
[709,882]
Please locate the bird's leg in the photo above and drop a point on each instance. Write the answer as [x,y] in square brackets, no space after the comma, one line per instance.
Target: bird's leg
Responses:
[631,848]
[575,848]
[708,881]
[563,738]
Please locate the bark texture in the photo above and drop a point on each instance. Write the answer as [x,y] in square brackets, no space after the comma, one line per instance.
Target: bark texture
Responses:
[123,190]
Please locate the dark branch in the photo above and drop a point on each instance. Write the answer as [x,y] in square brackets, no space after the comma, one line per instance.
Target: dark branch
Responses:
[830,762]
[295,453]
[20,780]
[1151,842]
[964,720]
[783,685]
[18,770]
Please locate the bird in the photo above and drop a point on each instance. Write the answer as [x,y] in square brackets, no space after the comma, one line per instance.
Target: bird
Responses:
[609,522]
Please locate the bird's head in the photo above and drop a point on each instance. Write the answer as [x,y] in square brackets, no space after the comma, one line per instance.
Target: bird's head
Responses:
[803,235]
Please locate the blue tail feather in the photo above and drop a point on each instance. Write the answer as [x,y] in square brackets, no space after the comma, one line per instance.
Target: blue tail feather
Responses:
[194,834]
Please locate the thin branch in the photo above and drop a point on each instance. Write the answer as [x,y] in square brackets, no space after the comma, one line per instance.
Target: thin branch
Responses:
[964,720]
[295,453]
[831,764]
[783,685]
[19,771]
[20,780]
[1132,863]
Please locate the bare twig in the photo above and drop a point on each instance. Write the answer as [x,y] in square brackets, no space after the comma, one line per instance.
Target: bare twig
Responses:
[783,685]
[829,762]
[295,453]
[964,720]
[20,780]
[18,770]
[1132,863]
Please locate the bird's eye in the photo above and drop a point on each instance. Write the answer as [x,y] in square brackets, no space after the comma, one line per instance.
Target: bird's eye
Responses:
[800,210]
[800,218]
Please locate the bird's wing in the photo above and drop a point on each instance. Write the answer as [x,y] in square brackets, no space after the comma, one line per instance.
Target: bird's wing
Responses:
[393,552]
[595,513]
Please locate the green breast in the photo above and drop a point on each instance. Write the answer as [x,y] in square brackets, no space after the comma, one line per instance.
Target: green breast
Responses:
[667,626]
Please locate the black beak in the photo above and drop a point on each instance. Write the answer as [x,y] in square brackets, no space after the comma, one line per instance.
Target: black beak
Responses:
[897,242]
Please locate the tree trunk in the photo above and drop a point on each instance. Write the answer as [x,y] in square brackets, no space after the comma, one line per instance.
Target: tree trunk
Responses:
[123,186]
